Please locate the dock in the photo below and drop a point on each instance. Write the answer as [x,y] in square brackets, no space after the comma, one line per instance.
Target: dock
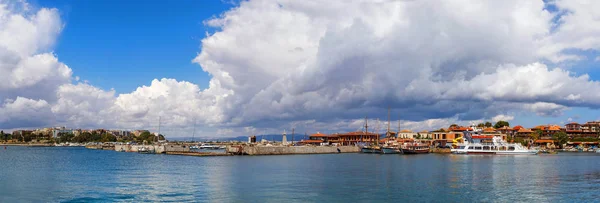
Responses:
[198,154]
[287,150]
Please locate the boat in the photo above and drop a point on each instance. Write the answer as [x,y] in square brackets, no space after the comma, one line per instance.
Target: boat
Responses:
[194,147]
[391,150]
[415,148]
[371,149]
[145,150]
[205,146]
[492,144]
[597,150]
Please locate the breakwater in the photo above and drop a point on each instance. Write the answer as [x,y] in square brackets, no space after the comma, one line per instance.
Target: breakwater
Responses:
[283,150]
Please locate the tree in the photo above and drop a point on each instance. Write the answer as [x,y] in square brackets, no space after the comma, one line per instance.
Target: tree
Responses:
[561,137]
[65,137]
[4,135]
[488,124]
[534,136]
[107,137]
[480,125]
[453,126]
[500,124]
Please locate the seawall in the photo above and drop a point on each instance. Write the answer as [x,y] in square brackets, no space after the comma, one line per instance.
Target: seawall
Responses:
[283,150]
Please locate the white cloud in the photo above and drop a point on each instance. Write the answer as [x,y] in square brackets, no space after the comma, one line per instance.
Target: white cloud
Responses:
[502,117]
[315,66]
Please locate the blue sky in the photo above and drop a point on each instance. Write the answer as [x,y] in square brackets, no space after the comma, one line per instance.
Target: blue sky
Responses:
[125,44]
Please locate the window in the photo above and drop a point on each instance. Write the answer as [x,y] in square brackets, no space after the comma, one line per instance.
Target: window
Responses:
[478,148]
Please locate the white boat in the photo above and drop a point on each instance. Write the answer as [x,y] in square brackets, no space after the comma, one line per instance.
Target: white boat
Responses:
[145,150]
[205,146]
[489,144]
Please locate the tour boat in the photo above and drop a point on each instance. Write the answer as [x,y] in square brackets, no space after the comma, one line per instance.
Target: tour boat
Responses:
[415,148]
[489,144]
[390,150]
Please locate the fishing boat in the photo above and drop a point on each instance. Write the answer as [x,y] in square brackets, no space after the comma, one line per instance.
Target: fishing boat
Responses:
[489,144]
[415,148]
[371,149]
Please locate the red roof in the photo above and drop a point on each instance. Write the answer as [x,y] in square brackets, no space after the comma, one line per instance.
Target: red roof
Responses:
[311,141]
[318,135]
[356,133]
[517,127]
[458,128]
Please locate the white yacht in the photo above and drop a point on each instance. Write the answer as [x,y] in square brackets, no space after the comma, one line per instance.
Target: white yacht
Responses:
[489,144]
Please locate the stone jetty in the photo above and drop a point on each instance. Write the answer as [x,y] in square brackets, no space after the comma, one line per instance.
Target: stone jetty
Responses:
[284,150]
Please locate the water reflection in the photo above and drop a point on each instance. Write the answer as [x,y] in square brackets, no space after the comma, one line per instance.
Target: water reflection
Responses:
[81,175]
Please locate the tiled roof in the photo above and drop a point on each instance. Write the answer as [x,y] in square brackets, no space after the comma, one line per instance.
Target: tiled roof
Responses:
[318,134]
[525,130]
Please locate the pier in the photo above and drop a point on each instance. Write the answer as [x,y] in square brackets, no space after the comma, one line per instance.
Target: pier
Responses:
[286,150]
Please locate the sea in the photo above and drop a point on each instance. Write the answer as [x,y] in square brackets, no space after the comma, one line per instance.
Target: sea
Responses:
[76,174]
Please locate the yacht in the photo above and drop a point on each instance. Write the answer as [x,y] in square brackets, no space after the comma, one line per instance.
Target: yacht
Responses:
[488,144]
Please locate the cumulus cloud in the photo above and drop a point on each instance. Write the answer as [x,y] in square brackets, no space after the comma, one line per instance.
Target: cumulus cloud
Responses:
[502,117]
[305,64]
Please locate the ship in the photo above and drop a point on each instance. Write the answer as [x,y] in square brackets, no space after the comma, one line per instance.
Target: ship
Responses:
[492,144]
[391,150]
[415,148]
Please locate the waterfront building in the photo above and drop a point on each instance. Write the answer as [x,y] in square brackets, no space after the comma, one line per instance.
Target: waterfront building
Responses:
[547,130]
[320,138]
[445,138]
[489,131]
[591,127]
[352,138]
[407,134]
[573,127]
[61,130]
[524,133]
[425,134]
[506,130]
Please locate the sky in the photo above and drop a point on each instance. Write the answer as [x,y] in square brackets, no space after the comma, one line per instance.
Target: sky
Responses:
[233,68]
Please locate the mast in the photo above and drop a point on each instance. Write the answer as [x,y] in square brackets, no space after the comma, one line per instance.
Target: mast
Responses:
[194,132]
[377,132]
[389,120]
[158,136]
[366,129]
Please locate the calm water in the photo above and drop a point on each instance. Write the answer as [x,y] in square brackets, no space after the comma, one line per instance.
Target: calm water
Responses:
[82,175]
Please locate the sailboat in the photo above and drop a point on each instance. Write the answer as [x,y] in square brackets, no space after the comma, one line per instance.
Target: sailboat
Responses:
[389,147]
[374,148]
